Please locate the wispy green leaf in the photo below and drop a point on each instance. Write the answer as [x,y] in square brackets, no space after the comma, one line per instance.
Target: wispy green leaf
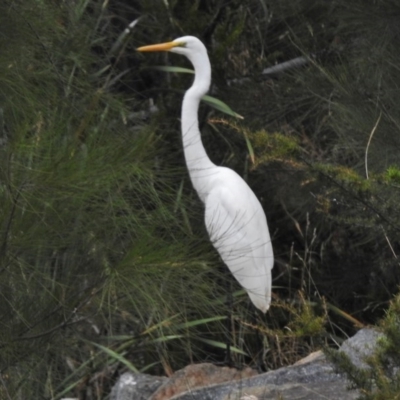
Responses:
[170,68]
[191,324]
[221,106]
[221,345]
[211,101]
[249,148]
[167,338]
[116,356]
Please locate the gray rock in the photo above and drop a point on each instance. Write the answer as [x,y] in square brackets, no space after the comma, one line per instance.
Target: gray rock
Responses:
[132,386]
[361,345]
[311,378]
[199,376]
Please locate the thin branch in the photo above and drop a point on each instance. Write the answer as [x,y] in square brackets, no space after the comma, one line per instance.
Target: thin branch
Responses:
[369,142]
[388,242]
[283,66]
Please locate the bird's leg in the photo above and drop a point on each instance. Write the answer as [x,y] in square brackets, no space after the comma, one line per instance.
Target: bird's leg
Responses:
[259,342]
[228,358]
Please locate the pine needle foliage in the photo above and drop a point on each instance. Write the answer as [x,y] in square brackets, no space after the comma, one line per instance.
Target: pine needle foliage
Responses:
[91,236]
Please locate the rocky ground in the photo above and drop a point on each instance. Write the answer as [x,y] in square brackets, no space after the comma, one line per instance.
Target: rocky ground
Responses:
[311,378]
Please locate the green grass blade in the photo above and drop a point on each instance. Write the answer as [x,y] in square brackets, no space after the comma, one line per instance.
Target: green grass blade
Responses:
[220,106]
[221,345]
[171,68]
[211,101]
[167,338]
[191,324]
[117,357]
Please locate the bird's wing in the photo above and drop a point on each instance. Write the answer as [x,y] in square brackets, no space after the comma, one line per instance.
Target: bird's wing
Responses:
[238,230]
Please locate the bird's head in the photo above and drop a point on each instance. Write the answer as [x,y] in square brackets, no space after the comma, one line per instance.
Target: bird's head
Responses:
[196,52]
[188,46]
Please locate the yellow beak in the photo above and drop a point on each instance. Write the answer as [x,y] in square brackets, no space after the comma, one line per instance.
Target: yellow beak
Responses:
[160,47]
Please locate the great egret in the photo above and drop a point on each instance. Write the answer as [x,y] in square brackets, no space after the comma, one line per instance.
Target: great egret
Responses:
[234,218]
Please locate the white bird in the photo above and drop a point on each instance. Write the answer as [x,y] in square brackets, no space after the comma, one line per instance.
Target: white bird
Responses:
[234,218]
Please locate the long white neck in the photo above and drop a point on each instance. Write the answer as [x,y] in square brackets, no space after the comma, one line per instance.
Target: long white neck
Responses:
[199,165]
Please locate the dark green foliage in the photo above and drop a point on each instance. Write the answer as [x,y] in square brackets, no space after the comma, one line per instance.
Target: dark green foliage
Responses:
[341,109]
[91,235]
[101,236]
